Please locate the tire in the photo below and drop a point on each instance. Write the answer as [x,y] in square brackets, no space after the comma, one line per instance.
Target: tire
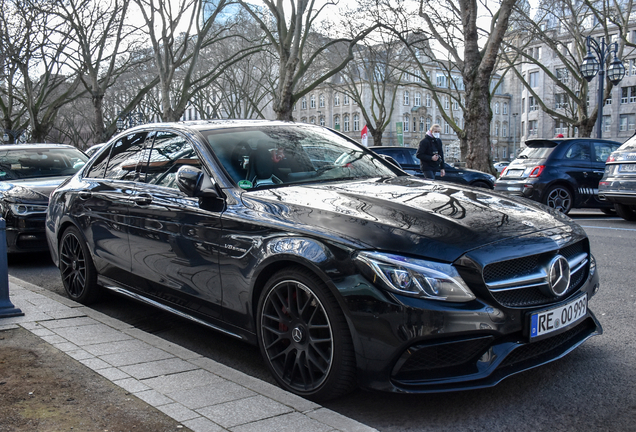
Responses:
[79,276]
[480,184]
[559,198]
[626,212]
[303,336]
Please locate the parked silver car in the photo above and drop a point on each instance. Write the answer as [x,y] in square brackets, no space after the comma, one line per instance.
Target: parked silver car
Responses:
[618,185]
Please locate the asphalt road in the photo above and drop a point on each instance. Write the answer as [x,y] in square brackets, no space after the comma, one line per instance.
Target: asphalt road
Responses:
[591,389]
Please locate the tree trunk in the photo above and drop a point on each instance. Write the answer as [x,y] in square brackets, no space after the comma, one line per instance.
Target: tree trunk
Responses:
[99,135]
[478,116]
[377,136]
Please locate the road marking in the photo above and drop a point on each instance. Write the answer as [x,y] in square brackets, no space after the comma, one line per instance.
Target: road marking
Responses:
[610,228]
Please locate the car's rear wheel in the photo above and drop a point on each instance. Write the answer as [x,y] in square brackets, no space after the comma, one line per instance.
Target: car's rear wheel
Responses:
[480,184]
[303,336]
[560,198]
[626,212]
[79,276]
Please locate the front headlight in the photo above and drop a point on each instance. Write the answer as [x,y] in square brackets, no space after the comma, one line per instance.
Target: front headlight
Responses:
[27,209]
[417,278]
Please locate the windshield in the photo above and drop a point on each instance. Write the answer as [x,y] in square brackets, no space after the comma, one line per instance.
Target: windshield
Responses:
[24,163]
[278,155]
[535,153]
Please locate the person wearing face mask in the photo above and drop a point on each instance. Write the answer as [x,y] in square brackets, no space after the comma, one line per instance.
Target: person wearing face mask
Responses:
[431,153]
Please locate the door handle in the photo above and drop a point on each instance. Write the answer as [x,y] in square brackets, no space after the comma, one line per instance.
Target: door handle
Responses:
[599,172]
[85,195]
[143,200]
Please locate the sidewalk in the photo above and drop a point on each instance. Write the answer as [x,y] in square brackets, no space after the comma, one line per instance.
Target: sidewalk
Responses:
[199,393]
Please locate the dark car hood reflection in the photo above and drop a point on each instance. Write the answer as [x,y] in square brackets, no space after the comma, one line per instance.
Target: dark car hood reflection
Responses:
[402,214]
[30,190]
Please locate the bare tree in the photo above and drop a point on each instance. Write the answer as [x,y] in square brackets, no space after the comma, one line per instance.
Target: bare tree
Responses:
[32,43]
[180,32]
[98,51]
[298,47]
[561,27]
[372,80]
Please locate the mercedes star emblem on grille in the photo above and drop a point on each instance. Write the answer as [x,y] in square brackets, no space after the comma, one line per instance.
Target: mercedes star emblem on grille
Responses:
[559,275]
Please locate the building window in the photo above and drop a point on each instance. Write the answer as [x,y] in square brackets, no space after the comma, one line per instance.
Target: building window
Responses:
[336,99]
[446,127]
[421,124]
[560,100]
[532,127]
[322,121]
[523,105]
[497,129]
[321,101]
[405,123]
[312,101]
[303,119]
[560,127]
[429,121]
[303,103]
[607,123]
[534,79]
[312,120]
[504,130]
[446,102]
[496,107]
[345,121]
[563,75]
[608,101]
[505,108]
[441,80]
[406,98]
[418,99]
[626,122]
[345,99]
[455,105]
[532,105]
[356,122]
[336,122]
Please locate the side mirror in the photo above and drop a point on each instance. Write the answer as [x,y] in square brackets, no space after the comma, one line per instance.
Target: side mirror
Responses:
[195,183]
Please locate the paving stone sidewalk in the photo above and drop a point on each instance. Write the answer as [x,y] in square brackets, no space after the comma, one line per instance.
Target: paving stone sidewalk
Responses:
[198,392]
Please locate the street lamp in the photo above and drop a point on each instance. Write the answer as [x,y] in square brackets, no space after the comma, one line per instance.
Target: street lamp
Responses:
[514,136]
[595,63]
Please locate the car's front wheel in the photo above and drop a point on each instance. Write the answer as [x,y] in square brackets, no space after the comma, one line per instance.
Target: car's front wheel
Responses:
[626,212]
[303,336]
[560,198]
[79,276]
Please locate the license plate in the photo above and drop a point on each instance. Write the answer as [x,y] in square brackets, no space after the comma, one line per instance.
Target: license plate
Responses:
[627,168]
[514,173]
[514,188]
[552,320]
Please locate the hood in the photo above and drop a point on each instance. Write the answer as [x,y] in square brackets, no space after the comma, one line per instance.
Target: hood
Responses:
[30,190]
[404,215]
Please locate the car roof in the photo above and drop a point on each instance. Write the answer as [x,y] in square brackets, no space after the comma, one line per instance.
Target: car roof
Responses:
[544,142]
[34,146]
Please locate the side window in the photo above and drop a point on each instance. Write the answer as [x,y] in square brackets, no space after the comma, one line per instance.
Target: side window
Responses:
[578,151]
[121,161]
[399,156]
[170,151]
[602,151]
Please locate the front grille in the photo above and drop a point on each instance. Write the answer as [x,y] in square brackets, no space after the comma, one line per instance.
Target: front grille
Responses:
[536,349]
[523,282]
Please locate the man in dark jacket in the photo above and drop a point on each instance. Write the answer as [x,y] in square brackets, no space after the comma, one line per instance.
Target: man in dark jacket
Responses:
[431,153]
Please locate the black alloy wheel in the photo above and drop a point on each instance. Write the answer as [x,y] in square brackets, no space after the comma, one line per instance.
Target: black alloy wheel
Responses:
[626,212]
[304,337]
[79,276]
[559,198]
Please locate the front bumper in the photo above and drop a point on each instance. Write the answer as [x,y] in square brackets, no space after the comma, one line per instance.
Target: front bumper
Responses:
[26,234]
[418,346]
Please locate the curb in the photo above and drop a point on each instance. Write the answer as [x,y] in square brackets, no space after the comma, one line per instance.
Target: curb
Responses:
[201,394]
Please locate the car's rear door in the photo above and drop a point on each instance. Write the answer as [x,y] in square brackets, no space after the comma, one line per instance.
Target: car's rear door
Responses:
[576,165]
[173,240]
[101,207]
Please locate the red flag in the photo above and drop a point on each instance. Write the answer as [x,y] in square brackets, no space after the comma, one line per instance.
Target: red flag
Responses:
[364,134]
